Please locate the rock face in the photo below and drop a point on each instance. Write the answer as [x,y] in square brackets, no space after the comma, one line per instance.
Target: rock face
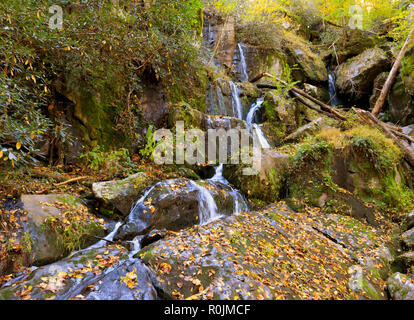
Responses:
[180,203]
[119,196]
[275,254]
[219,31]
[154,105]
[312,68]
[93,274]
[356,76]
[401,287]
[40,244]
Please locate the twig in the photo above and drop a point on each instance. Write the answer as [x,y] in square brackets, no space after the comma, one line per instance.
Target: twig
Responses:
[71,180]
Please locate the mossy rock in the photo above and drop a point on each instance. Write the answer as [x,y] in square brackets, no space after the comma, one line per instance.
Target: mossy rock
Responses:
[118,197]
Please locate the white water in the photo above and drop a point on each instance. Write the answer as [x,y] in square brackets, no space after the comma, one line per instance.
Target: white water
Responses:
[255,127]
[208,207]
[218,176]
[243,74]
[236,102]
[253,109]
[332,90]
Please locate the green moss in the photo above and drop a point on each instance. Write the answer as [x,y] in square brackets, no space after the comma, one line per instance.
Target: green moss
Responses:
[6,294]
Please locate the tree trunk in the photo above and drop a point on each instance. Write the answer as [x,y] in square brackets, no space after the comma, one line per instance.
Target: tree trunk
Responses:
[390,80]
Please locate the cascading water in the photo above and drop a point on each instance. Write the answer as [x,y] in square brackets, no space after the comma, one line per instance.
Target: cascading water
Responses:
[255,128]
[207,205]
[236,102]
[243,66]
[333,98]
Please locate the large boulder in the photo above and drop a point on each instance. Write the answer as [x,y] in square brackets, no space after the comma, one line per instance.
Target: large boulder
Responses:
[50,227]
[355,77]
[105,273]
[118,197]
[311,66]
[268,183]
[401,287]
[180,203]
[258,256]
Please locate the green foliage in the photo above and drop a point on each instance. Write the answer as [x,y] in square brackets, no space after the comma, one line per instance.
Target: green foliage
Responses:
[375,149]
[312,154]
[150,144]
[111,162]
[73,236]
[113,52]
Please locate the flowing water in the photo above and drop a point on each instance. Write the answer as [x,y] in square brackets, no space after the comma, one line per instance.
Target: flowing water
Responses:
[255,128]
[333,98]
[236,102]
[243,66]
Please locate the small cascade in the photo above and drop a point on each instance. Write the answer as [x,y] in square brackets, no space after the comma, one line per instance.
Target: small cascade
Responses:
[333,98]
[236,102]
[240,203]
[251,116]
[255,128]
[243,66]
[208,206]
[218,176]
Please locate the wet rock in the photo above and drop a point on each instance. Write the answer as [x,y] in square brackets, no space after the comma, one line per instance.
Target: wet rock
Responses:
[119,196]
[255,256]
[180,203]
[355,77]
[104,273]
[408,238]
[401,287]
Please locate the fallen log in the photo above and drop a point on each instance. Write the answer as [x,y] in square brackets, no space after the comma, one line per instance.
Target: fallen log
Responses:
[71,181]
[302,93]
[310,106]
[373,121]
[390,80]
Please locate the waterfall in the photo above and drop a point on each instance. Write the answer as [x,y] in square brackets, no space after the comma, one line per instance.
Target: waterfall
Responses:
[207,205]
[243,67]
[333,98]
[253,109]
[236,102]
[255,128]
[218,176]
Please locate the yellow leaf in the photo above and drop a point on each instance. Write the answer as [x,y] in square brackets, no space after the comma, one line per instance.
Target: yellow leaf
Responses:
[18,145]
